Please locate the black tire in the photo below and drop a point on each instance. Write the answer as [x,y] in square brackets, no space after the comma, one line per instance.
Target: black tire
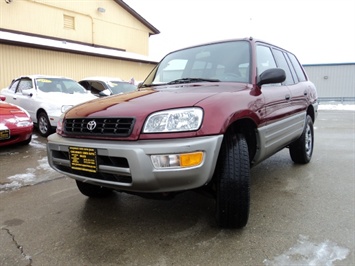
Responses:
[302,149]
[44,126]
[93,191]
[233,182]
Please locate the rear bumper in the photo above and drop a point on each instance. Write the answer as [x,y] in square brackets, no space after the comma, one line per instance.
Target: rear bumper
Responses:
[127,166]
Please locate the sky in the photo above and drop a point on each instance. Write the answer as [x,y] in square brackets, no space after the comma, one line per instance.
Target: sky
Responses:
[317,31]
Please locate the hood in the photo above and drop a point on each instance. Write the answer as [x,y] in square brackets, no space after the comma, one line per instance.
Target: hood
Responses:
[67,99]
[13,116]
[9,110]
[144,102]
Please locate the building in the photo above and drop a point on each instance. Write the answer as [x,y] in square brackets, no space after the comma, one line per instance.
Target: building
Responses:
[74,39]
[334,82]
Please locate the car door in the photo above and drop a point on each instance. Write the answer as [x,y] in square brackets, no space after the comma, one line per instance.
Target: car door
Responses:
[278,110]
[276,96]
[300,89]
[25,96]
[10,92]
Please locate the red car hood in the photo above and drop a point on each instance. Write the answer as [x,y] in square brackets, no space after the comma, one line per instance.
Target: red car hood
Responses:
[8,110]
[142,103]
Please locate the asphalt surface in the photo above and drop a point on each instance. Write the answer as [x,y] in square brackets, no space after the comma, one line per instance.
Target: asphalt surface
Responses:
[300,214]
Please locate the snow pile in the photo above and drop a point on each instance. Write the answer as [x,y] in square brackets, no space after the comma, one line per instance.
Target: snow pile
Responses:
[336,106]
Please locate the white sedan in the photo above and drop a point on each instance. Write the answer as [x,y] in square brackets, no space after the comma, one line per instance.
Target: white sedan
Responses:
[45,98]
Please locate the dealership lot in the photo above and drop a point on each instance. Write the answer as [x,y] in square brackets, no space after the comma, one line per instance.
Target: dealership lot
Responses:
[299,214]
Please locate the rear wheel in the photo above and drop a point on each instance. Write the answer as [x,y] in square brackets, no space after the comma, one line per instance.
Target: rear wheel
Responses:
[233,182]
[93,191]
[44,126]
[302,149]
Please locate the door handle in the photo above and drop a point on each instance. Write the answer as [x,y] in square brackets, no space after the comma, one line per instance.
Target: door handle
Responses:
[287,97]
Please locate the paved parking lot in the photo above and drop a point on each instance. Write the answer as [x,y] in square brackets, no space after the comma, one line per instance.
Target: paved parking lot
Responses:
[300,215]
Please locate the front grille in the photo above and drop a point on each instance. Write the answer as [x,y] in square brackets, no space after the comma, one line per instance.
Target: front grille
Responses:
[116,176]
[111,127]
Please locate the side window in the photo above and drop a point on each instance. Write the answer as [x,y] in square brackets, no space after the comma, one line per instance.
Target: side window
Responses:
[294,75]
[296,65]
[282,63]
[25,84]
[13,86]
[265,59]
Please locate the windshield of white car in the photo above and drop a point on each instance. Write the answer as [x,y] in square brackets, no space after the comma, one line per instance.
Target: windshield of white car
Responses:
[121,87]
[59,85]
[225,61]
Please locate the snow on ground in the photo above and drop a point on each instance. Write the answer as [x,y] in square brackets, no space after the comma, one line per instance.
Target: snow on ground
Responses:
[308,253]
[42,172]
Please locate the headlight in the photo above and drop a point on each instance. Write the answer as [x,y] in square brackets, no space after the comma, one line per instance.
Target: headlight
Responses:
[24,123]
[59,129]
[65,108]
[175,120]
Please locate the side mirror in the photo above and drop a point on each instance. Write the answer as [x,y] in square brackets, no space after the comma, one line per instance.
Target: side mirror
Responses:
[272,75]
[105,93]
[28,92]
[140,85]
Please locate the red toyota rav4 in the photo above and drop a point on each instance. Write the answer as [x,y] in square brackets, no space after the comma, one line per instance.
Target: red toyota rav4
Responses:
[201,119]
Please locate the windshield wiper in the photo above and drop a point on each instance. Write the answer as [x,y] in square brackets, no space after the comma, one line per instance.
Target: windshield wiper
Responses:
[180,81]
[151,85]
[190,80]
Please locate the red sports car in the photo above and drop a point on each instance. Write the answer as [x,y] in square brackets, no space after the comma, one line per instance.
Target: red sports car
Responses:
[16,126]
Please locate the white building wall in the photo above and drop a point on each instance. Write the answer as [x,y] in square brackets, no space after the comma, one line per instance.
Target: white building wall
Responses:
[333,81]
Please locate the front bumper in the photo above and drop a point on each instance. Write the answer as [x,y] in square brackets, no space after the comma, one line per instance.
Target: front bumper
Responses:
[53,116]
[127,166]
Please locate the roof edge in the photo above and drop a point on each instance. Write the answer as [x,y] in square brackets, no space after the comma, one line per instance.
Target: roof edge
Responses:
[137,16]
[40,42]
[330,64]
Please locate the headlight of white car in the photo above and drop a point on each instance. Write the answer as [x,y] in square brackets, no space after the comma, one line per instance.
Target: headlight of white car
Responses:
[174,120]
[65,108]
[59,129]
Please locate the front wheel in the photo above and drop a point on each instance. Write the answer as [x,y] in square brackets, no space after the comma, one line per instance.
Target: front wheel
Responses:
[93,191]
[302,149]
[233,182]
[44,126]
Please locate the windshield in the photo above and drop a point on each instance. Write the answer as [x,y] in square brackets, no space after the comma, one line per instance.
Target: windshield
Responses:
[226,61]
[59,85]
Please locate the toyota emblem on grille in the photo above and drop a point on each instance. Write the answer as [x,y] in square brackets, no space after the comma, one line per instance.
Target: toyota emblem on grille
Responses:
[91,125]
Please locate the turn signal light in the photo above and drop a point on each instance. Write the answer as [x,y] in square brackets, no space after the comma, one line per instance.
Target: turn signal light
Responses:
[177,160]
